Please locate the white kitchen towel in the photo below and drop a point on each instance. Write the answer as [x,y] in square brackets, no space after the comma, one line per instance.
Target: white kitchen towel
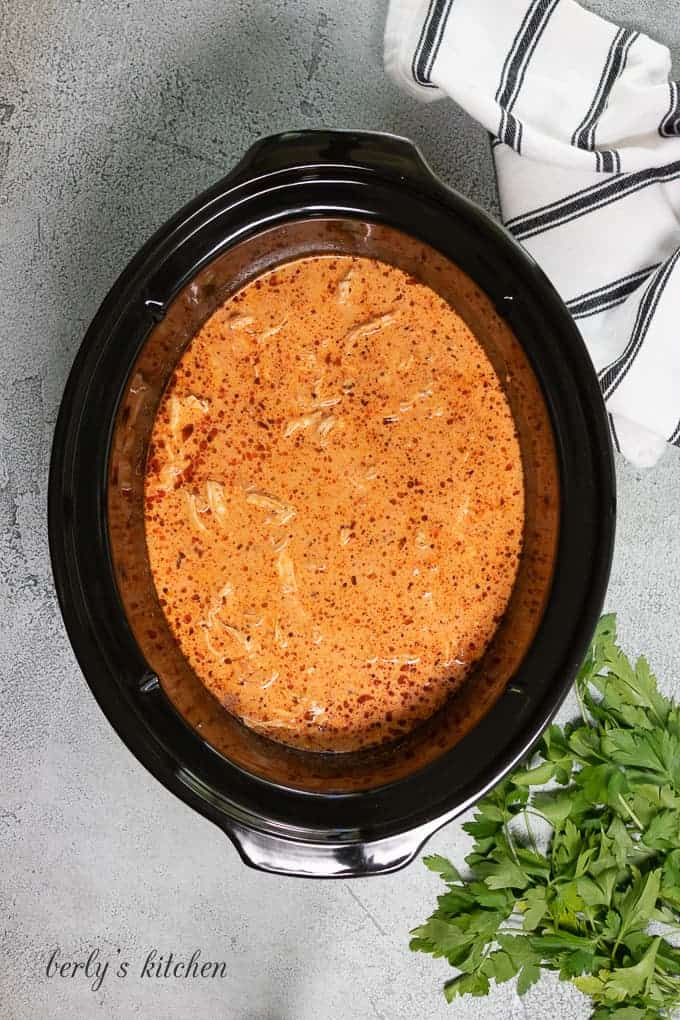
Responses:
[586,140]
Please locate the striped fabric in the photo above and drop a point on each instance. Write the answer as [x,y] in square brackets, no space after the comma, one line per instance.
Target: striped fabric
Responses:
[585,128]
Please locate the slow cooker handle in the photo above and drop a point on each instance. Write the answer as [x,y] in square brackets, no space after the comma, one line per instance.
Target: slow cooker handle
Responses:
[280,856]
[378,151]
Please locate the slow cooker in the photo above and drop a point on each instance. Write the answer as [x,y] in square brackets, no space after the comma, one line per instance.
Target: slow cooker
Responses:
[285,810]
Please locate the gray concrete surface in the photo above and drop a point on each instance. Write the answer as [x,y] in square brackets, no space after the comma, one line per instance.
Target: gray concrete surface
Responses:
[111,116]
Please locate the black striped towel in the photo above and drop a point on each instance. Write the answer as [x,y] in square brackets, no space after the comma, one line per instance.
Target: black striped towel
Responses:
[586,140]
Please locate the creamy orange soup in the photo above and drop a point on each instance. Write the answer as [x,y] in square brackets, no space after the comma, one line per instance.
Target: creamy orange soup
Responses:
[334,503]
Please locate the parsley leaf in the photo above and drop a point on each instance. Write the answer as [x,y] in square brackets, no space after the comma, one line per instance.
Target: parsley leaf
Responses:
[443,867]
[580,906]
[528,976]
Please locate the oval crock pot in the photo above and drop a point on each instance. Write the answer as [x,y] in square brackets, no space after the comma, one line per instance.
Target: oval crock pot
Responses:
[344,191]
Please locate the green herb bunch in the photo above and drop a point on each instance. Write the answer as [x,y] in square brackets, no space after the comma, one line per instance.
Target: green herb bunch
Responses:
[611,864]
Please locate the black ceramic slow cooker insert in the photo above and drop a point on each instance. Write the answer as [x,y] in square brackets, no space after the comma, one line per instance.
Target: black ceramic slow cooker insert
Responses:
[291,811]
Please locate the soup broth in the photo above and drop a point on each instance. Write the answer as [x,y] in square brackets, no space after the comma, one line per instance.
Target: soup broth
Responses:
[334,503]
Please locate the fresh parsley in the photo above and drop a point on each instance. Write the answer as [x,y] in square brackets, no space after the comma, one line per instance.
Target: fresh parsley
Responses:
[580,900]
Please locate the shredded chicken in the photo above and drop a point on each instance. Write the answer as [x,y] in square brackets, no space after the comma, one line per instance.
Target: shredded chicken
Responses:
[174,414]
[135,403]
[193,511]
[286,572]
[408,405]
[138,385]
[246,644]
[327,402]
[395,660]
[167,476]
[286,721]
[318,417]
[244,641]
[344,287]
[302,423]
[176,460]
[282,512]
[197,403]
[326,425]
[255,621]
[237,322]
[215,494]
[366,329]
[279,635]
[272,331]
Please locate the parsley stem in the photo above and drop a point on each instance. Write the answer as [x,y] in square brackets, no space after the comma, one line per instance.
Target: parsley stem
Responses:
[582,707]
[630,812]
[511,844]
[530,831]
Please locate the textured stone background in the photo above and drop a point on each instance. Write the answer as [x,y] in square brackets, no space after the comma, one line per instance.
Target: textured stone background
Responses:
[112,115]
